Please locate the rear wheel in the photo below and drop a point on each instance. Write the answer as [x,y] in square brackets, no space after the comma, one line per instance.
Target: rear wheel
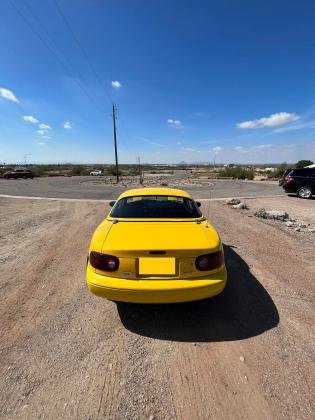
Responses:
[304,192]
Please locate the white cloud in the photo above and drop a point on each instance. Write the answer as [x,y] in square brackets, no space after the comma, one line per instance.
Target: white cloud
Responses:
[179,142]
[44,126]
[116,84]
[42,132]
[217,149]
[41,143]
[299,126]
[174,123]
[8,94]
[240,149]
[274,120]
[31,119]
[262,146]
[154,143]
[67,125]
[188,149]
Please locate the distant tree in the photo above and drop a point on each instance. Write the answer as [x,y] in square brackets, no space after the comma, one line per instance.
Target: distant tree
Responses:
[303,163]
[279,171]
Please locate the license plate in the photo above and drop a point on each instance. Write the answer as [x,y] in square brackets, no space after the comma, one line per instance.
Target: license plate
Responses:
[157,266]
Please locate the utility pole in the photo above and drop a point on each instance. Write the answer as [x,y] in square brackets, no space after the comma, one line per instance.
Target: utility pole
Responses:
[115,143]
[140,172]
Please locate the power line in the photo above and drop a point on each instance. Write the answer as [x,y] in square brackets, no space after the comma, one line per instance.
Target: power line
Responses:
[48,47]
[83,51]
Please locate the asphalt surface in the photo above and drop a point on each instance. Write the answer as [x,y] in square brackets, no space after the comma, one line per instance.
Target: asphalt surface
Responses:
[86,187]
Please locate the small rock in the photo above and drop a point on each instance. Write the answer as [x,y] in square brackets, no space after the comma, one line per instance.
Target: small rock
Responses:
[272,214]
[233,201]
[289,224]
[242,358]
[297,229]
[151,417]
[240,206]
[312,230]
[302,225]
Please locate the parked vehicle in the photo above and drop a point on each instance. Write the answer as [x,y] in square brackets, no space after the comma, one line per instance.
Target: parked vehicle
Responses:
[300,182]
[155,246]
[281,180]
[96,173]
[19,173]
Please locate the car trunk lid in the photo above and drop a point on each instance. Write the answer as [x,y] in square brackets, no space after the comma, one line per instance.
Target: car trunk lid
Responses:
[143,238]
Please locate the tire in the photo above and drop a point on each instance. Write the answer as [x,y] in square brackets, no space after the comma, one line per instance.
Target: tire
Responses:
[304,192]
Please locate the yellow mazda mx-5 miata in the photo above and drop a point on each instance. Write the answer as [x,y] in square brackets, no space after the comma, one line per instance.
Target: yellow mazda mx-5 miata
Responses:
[155,247]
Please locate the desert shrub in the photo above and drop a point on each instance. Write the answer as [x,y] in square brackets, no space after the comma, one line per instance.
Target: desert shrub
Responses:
[237,173]
[79,170]
[112,171]
[279,171]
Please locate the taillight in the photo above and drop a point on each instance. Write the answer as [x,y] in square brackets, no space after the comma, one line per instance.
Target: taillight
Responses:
[288,180]
[104,262]
[209,261]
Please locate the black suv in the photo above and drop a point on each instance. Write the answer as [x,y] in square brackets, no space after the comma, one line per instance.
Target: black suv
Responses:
[299,181]
[18,173]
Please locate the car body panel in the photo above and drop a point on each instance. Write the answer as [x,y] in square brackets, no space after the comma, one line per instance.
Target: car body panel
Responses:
[169,247]
[18,173]
[154,191]
[150,235]
[158,291]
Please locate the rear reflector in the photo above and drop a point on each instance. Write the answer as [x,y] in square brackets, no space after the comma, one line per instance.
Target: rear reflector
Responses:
[104,262]
[209,262]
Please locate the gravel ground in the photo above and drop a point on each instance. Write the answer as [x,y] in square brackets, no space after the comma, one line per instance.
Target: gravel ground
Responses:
[301,211]
[67,354]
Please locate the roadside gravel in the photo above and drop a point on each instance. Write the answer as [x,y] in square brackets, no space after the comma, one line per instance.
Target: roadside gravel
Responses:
[65,353]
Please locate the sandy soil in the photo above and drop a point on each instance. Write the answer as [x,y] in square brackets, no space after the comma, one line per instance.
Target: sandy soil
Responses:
[67,354]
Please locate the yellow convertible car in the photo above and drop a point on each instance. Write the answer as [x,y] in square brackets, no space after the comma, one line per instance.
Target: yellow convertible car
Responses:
[155,247]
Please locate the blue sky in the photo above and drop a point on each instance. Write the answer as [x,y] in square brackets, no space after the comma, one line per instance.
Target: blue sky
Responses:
[193,81]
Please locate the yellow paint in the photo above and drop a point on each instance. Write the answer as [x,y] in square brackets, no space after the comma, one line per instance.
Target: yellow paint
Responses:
[131,240]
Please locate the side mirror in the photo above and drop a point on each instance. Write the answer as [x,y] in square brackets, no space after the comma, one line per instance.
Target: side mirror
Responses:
[112,203]
[198,203]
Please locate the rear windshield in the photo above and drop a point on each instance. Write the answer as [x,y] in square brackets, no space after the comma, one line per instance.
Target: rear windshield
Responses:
[156,206]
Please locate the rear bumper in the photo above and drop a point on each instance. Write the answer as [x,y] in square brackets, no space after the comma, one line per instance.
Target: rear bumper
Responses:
[155,291]
[290,188]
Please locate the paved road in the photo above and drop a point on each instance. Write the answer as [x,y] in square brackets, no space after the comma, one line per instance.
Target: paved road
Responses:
[92,188]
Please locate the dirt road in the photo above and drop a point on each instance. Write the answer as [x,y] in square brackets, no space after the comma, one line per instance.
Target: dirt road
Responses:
[67,354]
